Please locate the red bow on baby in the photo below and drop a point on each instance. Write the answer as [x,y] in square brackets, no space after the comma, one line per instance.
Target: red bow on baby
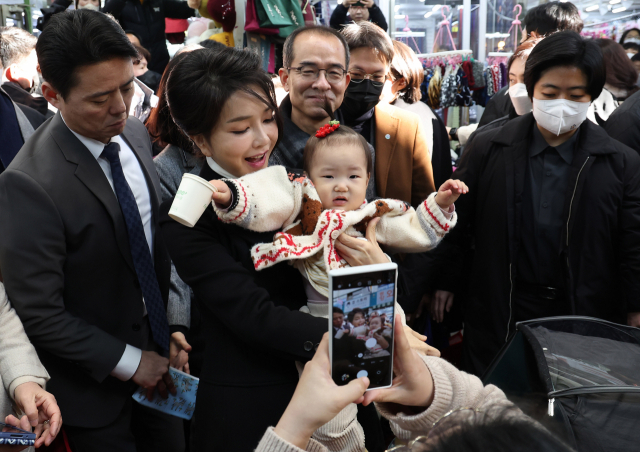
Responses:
[327,129]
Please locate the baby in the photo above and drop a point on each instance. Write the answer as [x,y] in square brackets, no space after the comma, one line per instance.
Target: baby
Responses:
[314,208]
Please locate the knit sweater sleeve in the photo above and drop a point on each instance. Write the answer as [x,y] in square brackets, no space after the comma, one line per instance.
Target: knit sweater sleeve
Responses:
[415,231]
[271,442]
[453,389]
[263,201]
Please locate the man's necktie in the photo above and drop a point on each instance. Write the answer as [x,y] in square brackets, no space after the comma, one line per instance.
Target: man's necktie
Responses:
[139,249]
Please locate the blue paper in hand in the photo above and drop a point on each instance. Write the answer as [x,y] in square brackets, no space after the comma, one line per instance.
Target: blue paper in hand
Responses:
[182,404]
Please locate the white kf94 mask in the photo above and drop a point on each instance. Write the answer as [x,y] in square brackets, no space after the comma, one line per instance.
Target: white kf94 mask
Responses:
[520,98]
[559,116]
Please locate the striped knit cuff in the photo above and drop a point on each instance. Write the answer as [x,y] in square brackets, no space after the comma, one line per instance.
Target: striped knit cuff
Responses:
[407,426]
[238,210]
[343,432]
[271,442]
[435,217]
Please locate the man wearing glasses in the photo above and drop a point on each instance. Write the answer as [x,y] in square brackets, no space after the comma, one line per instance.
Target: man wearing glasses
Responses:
[315,71]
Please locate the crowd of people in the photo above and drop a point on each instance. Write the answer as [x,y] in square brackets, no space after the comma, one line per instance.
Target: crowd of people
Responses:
[105,291]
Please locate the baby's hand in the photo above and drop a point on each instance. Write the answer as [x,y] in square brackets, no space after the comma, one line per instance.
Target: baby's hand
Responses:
[222,195]
[449,192]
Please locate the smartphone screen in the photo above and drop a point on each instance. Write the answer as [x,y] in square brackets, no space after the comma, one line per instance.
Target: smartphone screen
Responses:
[362,332]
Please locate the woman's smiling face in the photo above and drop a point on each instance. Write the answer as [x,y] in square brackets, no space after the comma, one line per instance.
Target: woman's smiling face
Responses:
[244,137]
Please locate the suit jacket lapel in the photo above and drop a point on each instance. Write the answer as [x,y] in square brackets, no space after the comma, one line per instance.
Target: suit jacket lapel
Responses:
[91,175]
[386,139]
[141,148]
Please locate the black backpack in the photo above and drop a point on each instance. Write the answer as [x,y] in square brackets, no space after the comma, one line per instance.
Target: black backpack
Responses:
[584,372]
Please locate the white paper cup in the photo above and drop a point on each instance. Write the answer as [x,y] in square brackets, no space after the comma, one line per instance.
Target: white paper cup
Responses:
[192,198]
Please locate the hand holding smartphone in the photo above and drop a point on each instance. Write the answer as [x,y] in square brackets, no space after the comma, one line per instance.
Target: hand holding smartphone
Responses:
[362,303]
[14,436]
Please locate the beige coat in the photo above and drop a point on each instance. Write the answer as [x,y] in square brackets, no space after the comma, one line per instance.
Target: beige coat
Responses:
[453,389]
[19,361]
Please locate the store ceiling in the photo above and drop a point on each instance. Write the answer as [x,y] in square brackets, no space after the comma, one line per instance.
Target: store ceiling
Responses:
[416,10]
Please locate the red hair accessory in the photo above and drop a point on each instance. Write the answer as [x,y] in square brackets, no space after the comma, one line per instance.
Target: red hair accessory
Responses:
[327,129]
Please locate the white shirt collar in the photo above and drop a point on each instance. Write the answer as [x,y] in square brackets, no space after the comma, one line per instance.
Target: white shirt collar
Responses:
[218,169]
[95,147]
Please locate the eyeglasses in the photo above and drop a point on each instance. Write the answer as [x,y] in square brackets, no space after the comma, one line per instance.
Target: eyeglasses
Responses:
[359,77]
[441,427]
[311,72]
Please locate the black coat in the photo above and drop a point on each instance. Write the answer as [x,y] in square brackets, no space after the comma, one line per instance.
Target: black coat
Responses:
[339,17]
[498,106]
[68,270]
[624,123]
[601,241]
[252,326]
[146,20]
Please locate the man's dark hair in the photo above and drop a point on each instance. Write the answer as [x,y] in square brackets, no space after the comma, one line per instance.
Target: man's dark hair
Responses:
[15,44]
[504,428]
[287,51]
[367,34]
[553,17]
[567,49]
[338,311]
[621,73]
[353,313]
[73,39]
[636,57]
[202,82]
[631,46]
[624,35]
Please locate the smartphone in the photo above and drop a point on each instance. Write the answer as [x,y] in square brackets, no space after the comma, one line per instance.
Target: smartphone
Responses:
[14,436]
[361,325]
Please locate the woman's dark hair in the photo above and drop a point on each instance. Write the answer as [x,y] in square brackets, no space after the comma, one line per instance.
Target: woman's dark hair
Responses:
[624,35]
[406,65]
[503,428]
[621,73]
[553,17]
[340,136]
[143,53]
[353,313]
[160,125]
[202,82]
[567,49]
[77,38]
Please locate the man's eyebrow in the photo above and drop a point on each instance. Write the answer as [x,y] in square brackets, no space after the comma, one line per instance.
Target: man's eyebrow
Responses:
[104,93]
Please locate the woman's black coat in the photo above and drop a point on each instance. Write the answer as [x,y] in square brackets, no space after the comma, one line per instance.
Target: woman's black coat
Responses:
[601,239]
[252,327]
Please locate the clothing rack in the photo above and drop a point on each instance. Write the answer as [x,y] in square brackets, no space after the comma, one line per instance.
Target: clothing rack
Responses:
[445,54]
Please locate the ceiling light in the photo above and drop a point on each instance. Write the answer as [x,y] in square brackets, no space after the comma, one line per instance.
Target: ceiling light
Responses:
[592,8]
[397,7]
[619,10]
[426,16]
[614,2]
[436,8]
[400,16]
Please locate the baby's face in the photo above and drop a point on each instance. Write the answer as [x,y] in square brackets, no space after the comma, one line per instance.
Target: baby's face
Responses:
[375,323]
[358,320]
[339,174]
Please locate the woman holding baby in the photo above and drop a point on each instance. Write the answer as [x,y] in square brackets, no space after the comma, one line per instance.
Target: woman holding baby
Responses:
[253,326]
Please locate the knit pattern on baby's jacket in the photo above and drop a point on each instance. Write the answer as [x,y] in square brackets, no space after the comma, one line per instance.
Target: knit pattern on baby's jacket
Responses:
[273,199]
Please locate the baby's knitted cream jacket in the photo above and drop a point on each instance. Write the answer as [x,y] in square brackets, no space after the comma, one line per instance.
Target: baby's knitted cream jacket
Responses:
[273,199]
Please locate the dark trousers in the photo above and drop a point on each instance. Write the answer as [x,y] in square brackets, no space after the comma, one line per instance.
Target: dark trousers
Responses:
[136,429]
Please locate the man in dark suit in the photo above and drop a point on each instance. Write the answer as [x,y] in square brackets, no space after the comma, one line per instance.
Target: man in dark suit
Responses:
[81,253]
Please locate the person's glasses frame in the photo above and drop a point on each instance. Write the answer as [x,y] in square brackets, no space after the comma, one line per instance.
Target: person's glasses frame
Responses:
[376,80]
[333,74]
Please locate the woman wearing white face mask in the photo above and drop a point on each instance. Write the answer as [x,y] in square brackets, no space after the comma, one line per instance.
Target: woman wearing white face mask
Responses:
[553,206]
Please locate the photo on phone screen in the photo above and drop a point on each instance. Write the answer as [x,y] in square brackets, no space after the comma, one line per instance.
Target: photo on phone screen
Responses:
[362,331]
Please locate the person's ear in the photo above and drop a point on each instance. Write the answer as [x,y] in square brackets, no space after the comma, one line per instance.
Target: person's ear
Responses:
[51,95]
[202,143]
[284,78]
